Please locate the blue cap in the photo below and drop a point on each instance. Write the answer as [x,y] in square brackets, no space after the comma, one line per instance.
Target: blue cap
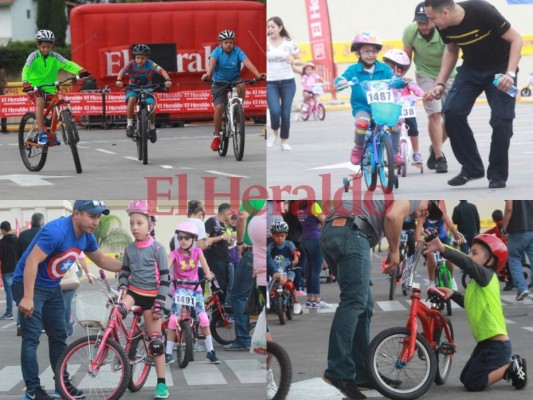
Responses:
[93,207]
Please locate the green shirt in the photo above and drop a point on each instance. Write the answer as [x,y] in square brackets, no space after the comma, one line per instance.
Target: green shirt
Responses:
[427,55]
[39,70]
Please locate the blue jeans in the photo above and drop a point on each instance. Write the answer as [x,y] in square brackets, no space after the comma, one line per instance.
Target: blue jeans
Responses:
[467,86]
[518,244]
[231,278]
[8,281]
[314,265]
[68,296]
[280,95]
[220,269]
[239,298]
[48,313]
[347,251]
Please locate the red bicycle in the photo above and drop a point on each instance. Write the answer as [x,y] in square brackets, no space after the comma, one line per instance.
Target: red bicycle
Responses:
[56,114]
[111,358]
[403,363]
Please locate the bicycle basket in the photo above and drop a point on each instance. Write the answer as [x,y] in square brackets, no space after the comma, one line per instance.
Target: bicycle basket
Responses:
[386,113]
[92,310]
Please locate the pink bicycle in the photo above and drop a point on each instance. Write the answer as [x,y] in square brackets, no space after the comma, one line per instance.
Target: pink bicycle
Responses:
[315,108]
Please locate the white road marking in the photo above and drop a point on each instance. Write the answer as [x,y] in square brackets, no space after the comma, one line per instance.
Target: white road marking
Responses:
[131,158]
[30,180]
[391,305]
[226,174]
[247,371]
[106,151]
[344,165]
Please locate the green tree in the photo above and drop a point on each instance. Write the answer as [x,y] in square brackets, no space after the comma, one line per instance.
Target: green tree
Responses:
[110,235]
[51,15]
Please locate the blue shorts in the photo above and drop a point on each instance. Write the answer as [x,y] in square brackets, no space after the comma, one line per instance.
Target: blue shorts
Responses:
[149,98]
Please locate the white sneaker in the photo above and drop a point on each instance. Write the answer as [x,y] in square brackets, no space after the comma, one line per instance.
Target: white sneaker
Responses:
[272,389]
[323,304]
[271,140]
[431,285]
[285,147]
[297,309]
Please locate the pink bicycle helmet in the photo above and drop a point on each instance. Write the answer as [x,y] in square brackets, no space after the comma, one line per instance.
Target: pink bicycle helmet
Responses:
[398,57]
[142,207]
[366,38]
[187,227]
[308,64]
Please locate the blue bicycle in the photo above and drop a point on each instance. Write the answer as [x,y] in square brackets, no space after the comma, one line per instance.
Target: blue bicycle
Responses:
[378,156]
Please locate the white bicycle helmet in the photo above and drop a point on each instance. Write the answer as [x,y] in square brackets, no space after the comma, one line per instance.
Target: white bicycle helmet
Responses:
[44,35]
[398,57]
[279,227]
[226,34]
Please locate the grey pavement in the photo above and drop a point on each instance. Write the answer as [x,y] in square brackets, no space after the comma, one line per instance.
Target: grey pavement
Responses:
[321,149]
[180,164]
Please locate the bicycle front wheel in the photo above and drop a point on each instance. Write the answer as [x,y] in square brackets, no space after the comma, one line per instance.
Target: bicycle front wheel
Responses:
[369,169]
[386,164]
[68,126]
[394,378]
[281,370]
[33,155]
[320,112]
[141,363]
[108,380]
[224,137]
[238,134]
[185,344]
[143,130]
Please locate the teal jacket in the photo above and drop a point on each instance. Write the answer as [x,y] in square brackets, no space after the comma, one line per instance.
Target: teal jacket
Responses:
[358,97]
[40,70]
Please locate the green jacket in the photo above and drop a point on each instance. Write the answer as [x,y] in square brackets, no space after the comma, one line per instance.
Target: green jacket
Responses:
[40,70]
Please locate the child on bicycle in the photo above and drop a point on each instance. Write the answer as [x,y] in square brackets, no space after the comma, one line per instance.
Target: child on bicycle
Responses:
[366,46]
[41,68]
[225,65]
[285,256]
[145,278]
[437,221]
[141,71]
[184,262]
[400,62]
[491,359]
[309,80]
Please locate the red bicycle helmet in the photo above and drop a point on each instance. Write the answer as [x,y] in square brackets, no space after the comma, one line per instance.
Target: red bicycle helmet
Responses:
[496,248]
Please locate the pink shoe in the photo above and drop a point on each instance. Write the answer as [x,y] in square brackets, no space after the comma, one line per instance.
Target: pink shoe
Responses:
[398,160]
[357,152]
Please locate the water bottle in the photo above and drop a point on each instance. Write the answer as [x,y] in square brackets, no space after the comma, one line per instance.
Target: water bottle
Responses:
[512,91]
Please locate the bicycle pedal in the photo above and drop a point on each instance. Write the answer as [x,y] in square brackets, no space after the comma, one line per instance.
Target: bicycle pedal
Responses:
[446,349]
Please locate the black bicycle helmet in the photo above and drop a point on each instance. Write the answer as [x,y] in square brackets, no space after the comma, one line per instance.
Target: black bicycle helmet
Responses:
[279,227]
[226,34]
[44,35]
[141,49]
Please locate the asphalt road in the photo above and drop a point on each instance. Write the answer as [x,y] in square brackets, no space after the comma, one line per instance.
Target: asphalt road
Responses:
[180,164]
[321,149]
[306,340]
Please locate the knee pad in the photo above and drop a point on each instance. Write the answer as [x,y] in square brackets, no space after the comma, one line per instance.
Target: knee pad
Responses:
[361,126]
[156,345]
[204,321]
[172,322]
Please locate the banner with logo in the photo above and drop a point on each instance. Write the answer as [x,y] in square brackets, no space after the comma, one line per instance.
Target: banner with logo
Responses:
[520,1]
[320,40]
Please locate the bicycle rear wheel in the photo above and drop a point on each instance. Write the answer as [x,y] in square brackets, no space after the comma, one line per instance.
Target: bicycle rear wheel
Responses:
[281,369]
[33,155]
[280,309]
[222,329]
[185,342]
[68,126]
[393,378]
[238,135]
[141,363]
[111,377]
[444,361]
[304,113]
[320,112]
[386,166]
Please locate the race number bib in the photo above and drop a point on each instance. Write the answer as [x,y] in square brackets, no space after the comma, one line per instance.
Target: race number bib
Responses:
[408,108]
[185,297]
[318,88]
[378,92]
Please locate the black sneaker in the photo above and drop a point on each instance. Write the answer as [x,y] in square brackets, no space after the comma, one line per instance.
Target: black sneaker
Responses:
[346,386]
[38,394]
[431,159]
[152,135]
[441,165]
[516,373]
[129,131]
[72,390]
[7,316]
[496,184]
[460,179]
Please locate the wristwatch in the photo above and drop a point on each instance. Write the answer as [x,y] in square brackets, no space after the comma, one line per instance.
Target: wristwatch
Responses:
[512,74]
[503,231]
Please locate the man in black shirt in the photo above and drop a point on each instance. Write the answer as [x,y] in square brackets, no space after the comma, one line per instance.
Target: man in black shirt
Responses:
[466,217]
[490,46]
[25,237]
[217,253]
[8,259]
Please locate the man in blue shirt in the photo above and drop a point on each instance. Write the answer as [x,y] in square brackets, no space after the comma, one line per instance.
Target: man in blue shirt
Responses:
[37,291]
[225,65]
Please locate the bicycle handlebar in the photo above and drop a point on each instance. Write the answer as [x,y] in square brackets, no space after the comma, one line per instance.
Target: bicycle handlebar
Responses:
[72,79]
[235,83]
[147,88]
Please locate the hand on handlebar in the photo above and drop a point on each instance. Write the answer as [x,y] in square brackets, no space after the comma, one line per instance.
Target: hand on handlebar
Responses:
[206,78]
[26,87]
[83,73]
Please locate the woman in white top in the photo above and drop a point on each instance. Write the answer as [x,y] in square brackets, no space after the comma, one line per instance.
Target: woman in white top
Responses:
[282,54]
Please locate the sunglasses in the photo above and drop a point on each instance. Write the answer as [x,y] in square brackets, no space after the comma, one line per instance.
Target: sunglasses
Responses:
[184,237]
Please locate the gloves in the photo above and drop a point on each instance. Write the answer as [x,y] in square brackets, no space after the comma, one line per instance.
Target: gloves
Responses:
[83,73]
[123,287]
[26,87]
[158,307]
